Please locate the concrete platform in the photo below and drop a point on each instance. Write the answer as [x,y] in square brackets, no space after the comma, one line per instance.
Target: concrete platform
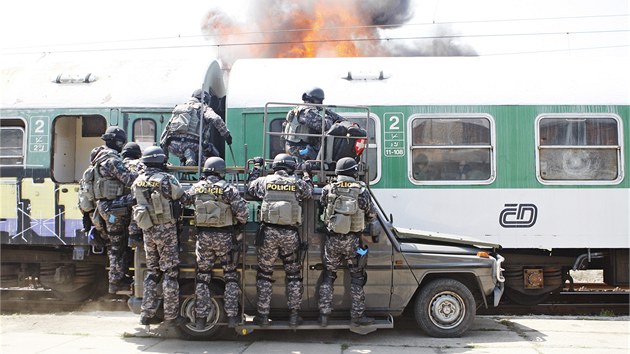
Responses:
[120,332]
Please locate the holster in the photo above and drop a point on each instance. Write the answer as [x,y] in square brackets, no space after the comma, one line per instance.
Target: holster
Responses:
[260,235]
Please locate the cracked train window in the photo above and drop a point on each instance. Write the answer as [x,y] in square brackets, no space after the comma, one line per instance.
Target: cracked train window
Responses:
[580,147]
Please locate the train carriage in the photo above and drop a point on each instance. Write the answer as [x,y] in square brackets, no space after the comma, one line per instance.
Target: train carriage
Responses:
[529,153]
[54,109]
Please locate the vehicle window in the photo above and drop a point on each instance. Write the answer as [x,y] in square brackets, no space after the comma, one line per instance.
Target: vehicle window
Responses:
[11,146]
[578,148]
[144,131]
[451,148]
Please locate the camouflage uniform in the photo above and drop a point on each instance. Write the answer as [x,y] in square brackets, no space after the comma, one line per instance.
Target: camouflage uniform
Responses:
[134,165]
[161,245]
[115,212]
[186,146]
[216,244]
[340,248]
[279,241]
[307,147]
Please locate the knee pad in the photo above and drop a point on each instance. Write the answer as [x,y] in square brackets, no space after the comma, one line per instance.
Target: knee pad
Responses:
[293,277]
[329,277]
[265,276]
[358,278]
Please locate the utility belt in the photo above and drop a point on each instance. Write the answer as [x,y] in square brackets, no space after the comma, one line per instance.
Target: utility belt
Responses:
[348,235]
[186,139]
[216,229]
[278,226]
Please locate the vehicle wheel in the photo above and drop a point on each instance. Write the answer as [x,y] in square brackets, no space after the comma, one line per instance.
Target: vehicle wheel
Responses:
[445,308]
[215,322]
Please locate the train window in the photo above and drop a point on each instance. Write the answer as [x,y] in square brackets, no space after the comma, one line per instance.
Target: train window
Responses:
[93,126]
[144,131]
[370,156]
[11,146]
[581,148]
[276,145]
[457,148]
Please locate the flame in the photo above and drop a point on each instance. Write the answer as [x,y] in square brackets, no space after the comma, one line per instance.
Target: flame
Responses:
[319,28]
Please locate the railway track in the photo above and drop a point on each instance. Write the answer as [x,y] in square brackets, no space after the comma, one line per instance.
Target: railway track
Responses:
[43,301]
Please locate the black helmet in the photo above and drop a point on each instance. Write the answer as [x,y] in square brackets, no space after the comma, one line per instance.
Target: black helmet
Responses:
[284,162]
[198,94]
[347,166]
[153,155]
[115,137]
[131,150]
[314,95]
[214,165]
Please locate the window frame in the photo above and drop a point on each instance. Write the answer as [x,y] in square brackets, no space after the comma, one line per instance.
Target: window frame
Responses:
[619,147]
[460,116]
[24,144]
[155,129]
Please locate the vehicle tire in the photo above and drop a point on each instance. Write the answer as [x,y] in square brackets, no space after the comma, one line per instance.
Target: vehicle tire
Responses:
[445,308]
[216,320]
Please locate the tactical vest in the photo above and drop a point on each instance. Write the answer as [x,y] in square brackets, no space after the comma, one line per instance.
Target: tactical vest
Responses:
[280,205]
[185,119]
[106,187]
[343,214]
[210,208]
[292,128]
[152,207]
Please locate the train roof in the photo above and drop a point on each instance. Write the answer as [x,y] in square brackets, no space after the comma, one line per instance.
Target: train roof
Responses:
[115,79]
[434,81]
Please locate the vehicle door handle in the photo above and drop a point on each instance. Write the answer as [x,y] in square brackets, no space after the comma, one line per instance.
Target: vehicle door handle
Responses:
[317,266]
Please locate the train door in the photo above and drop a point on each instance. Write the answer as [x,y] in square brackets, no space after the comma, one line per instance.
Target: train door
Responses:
[74,137]
[12,161]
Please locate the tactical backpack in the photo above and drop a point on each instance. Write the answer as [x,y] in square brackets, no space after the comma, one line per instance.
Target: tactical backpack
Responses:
[87,199]
[343,139]
[185,119]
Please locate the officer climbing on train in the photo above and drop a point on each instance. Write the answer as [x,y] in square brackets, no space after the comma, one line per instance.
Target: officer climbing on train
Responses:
[305,119]
[131,154]
[181,135]
[111,182]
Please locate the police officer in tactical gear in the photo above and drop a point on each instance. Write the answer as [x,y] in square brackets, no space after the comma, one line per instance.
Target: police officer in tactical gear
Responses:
[220,212]
[131,154]
[307,120]
[347,208]
[280,215]
[156,191]
[111,189]
[184,141]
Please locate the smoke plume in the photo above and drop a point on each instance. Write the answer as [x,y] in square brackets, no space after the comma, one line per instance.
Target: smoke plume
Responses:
[325,28]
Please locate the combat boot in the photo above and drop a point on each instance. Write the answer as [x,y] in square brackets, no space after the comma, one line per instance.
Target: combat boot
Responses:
[200,323]
[262,320]
[146,320]
[295,319]
[323,319]
[362,321]
[176,322]
[233,321]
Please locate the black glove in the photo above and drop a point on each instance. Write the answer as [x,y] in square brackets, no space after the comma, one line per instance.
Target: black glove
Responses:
[228,139]
[87,222]
[258,161]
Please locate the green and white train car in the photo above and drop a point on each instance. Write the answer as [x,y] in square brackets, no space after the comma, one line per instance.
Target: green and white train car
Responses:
[54,109]
[529,153]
